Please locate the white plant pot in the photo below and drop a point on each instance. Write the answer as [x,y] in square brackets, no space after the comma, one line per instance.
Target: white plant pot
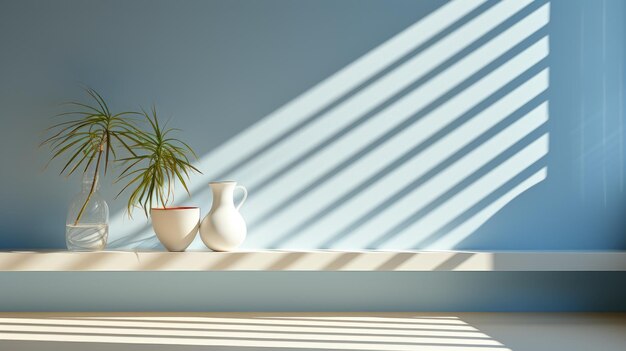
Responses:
[176,227]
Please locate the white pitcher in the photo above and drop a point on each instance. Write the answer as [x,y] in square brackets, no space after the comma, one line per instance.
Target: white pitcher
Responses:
[223,228]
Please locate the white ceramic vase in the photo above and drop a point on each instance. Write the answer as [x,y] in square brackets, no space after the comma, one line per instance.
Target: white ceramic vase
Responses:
[176,227]
[223,228]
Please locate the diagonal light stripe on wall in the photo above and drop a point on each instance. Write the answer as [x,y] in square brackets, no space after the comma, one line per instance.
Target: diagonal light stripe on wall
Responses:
[373,95]
[465,229]
[469,196]
[453,108]
[386,120]
[387,219]
[445,150]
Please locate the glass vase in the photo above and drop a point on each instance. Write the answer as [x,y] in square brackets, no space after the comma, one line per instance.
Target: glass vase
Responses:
[87,225]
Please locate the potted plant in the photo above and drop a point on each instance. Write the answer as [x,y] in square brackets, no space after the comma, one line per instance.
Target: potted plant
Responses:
[90,139]
[159,160]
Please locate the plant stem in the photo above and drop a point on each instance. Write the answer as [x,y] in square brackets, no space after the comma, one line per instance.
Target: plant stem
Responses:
[93,183]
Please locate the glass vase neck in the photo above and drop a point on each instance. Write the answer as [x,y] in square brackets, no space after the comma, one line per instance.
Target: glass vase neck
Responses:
[89,177]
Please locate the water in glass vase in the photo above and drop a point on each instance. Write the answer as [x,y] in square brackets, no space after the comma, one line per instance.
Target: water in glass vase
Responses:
[86,237]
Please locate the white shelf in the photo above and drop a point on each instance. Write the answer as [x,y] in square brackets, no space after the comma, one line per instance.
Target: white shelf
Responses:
[61,261]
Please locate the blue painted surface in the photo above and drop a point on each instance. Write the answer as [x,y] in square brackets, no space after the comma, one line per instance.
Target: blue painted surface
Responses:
[221,69]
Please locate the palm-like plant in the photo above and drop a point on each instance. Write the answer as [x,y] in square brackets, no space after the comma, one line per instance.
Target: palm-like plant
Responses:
[158,160]
[90,138]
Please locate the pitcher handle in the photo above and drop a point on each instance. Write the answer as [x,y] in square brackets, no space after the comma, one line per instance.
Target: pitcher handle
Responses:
[245,196]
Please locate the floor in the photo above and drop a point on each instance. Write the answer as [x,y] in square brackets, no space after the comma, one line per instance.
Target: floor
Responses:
[312,331]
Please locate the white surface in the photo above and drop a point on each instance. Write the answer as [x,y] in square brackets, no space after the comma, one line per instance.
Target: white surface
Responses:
[313,261]
[313,331]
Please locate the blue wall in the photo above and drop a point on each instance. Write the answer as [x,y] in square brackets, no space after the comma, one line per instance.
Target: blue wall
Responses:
[355,124]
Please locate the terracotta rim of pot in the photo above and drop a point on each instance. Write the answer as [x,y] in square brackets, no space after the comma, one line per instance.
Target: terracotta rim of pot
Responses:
[175,208]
